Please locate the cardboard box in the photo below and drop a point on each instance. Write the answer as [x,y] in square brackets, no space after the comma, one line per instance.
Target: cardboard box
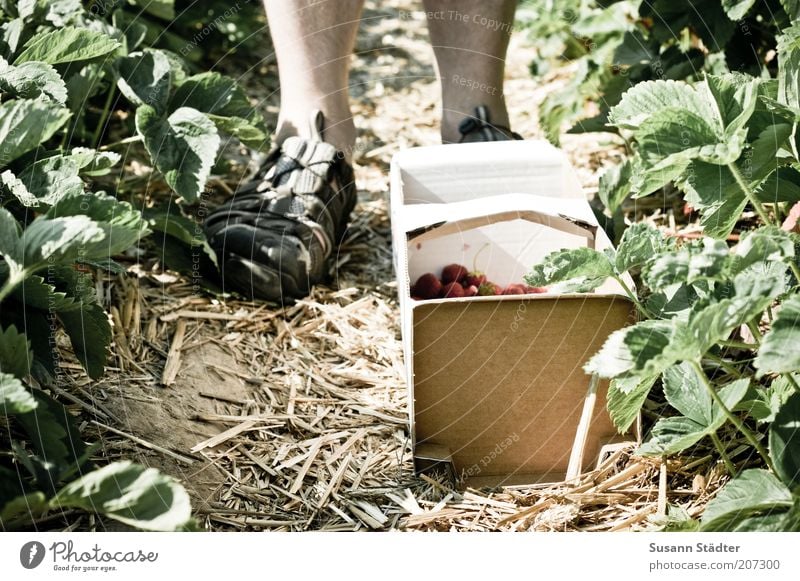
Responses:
[497,391]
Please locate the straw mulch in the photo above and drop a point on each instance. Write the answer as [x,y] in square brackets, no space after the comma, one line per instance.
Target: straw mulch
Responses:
[295,418]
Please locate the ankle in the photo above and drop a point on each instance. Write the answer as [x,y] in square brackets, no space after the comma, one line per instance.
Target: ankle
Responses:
[339,129]
[453,116]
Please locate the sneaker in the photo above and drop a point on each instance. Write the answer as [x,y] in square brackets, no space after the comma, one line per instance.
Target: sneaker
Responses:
[479,128]
[276,237]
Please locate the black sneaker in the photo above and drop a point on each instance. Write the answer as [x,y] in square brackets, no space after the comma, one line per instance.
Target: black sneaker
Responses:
[276,237]
[480,128]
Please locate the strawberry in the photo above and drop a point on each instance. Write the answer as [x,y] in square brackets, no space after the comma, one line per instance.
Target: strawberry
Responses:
[514,289]
[475,278]
[428,286]
[534,290]
[452,290]
[470,291]
[489,289]
[453,273]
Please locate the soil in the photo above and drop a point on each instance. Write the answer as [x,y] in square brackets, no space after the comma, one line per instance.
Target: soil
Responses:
[316,390]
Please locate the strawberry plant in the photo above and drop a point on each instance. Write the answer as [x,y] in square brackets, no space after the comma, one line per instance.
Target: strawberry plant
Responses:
[619,43]
[63,68]
[718,328]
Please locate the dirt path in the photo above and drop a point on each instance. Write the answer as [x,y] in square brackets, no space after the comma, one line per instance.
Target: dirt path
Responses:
[295,419]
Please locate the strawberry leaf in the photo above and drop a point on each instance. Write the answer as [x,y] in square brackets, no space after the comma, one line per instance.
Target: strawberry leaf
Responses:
[780,349]
[754,493]
[183,147]
[644,100]
[737,9]
[59,240]
[132,494]
[145,78]
[32,81]
[625,398]
[702,416]
[15,397]
[784,442]
[707,260]
[24,124]
[640,243]
[122,224]
[66,45]
[51,178]
[585,266]
[15,352]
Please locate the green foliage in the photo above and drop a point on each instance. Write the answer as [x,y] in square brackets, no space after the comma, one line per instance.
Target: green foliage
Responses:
[65,67]
[619,44]
[729,142]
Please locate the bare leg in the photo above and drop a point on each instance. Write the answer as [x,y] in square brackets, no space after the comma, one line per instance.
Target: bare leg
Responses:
[470,39]
[313,42]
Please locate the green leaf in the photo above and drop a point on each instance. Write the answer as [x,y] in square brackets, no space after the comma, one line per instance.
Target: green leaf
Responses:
[789,67]
[122,224]
[701,415]
[31,81]
[55,439]
[792,8]
[640,243]
[59,240]
[145,78]
[763,403]
[86,325]
[13,185]
[672,436]
[706,260]
[754,492]
[225,103]
[9,233]
[782,185]
[615,185]
[135,495]
[29,504]
[66,45]
[714,192]
[94,163]
[735,95]
[51,178]
[644,349]
[586,265]
[737,9]
[14,397]
[160,8]
[643,100]
[767,244]
[248,131]
[24,124]
[626,396]
[183,147]
[764,155]
[784,442]
[780,348]
[15,352]
[37,293]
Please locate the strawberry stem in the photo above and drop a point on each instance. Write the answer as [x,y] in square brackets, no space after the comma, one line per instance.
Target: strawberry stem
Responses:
[475,258]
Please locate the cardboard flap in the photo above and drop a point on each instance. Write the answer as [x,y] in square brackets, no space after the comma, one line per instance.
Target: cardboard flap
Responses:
[557,222]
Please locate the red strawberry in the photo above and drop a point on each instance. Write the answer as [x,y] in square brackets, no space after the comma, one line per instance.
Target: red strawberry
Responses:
[428,286]
[514,289]
[489,289]
[471,291]
[475,278]
[534,290]
[453,273]
[452,290]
